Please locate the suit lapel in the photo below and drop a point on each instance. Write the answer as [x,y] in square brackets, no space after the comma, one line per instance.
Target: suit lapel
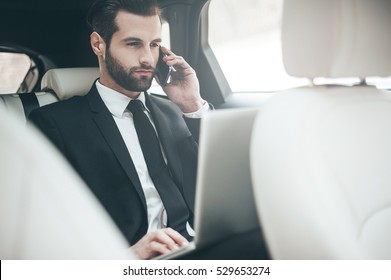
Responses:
[111,134]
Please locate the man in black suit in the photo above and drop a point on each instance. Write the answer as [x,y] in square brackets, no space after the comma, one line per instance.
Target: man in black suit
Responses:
[97,134]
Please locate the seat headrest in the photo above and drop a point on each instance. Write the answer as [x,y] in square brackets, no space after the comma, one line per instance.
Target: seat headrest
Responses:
[334,38]
[68,82]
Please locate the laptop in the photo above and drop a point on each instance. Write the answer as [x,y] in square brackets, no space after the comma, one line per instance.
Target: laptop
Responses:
[224,202]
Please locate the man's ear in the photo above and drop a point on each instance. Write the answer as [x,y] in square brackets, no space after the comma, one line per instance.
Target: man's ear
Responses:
[97,44]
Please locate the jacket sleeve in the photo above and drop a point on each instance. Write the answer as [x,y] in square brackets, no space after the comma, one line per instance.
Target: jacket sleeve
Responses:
[194,126]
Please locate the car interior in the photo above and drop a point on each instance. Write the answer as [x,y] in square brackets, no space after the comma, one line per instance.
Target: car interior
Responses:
[315,76]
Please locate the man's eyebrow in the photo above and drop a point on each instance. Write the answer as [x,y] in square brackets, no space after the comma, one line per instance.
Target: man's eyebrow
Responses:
[133,39]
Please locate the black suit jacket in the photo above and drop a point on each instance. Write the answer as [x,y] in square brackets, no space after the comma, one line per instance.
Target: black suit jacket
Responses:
[85,132]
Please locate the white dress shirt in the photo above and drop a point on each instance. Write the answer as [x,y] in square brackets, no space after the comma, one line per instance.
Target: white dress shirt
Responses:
[117,104]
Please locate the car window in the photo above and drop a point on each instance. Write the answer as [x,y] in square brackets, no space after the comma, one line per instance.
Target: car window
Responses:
[13,71]
[245,38]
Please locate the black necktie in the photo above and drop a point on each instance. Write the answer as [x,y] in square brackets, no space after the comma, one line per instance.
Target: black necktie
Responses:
[173,201]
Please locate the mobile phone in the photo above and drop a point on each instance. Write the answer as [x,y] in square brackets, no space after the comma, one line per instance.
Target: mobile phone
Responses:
[163,71]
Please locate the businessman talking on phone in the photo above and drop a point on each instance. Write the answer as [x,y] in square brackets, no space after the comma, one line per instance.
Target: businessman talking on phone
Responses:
[137,152]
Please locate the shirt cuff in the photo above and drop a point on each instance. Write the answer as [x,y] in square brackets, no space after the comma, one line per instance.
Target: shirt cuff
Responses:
[198,114]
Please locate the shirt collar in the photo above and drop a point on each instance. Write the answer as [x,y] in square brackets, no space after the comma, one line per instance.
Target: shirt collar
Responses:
[115,101]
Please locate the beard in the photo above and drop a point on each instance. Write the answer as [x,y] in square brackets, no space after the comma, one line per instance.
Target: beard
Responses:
[125,77]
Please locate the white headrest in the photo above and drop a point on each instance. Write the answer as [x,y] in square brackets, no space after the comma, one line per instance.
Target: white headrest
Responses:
[334,38]
[68,82]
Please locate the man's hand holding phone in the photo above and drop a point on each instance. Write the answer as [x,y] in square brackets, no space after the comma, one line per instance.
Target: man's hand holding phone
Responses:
[183,88]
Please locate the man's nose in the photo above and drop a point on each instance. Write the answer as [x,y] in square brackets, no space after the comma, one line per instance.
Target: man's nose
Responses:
[147,56]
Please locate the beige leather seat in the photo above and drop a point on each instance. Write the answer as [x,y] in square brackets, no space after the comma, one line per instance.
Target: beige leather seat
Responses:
[57,84]
[23,104]
[68,82]
[46,212]
[321,155]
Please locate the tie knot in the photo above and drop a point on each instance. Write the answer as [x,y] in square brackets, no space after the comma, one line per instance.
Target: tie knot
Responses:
[135,106]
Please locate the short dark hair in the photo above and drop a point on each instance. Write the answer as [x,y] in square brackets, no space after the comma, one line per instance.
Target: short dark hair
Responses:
[102,14]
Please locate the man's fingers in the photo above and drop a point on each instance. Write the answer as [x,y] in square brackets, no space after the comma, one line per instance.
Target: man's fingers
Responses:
[166,51]
[172,59]
[164,237]
[170,238]
[158,242]
[176,236]
[158,247]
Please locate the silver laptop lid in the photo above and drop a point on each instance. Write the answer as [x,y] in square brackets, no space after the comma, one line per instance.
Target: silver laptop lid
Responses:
[224,203]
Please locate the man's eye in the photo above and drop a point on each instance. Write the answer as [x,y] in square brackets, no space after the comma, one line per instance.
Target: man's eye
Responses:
[155,45]
[134,44]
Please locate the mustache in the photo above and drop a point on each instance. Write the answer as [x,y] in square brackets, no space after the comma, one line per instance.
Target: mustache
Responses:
[143,68]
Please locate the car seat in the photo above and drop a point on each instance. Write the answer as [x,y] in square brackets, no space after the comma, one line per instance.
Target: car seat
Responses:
[321,155]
